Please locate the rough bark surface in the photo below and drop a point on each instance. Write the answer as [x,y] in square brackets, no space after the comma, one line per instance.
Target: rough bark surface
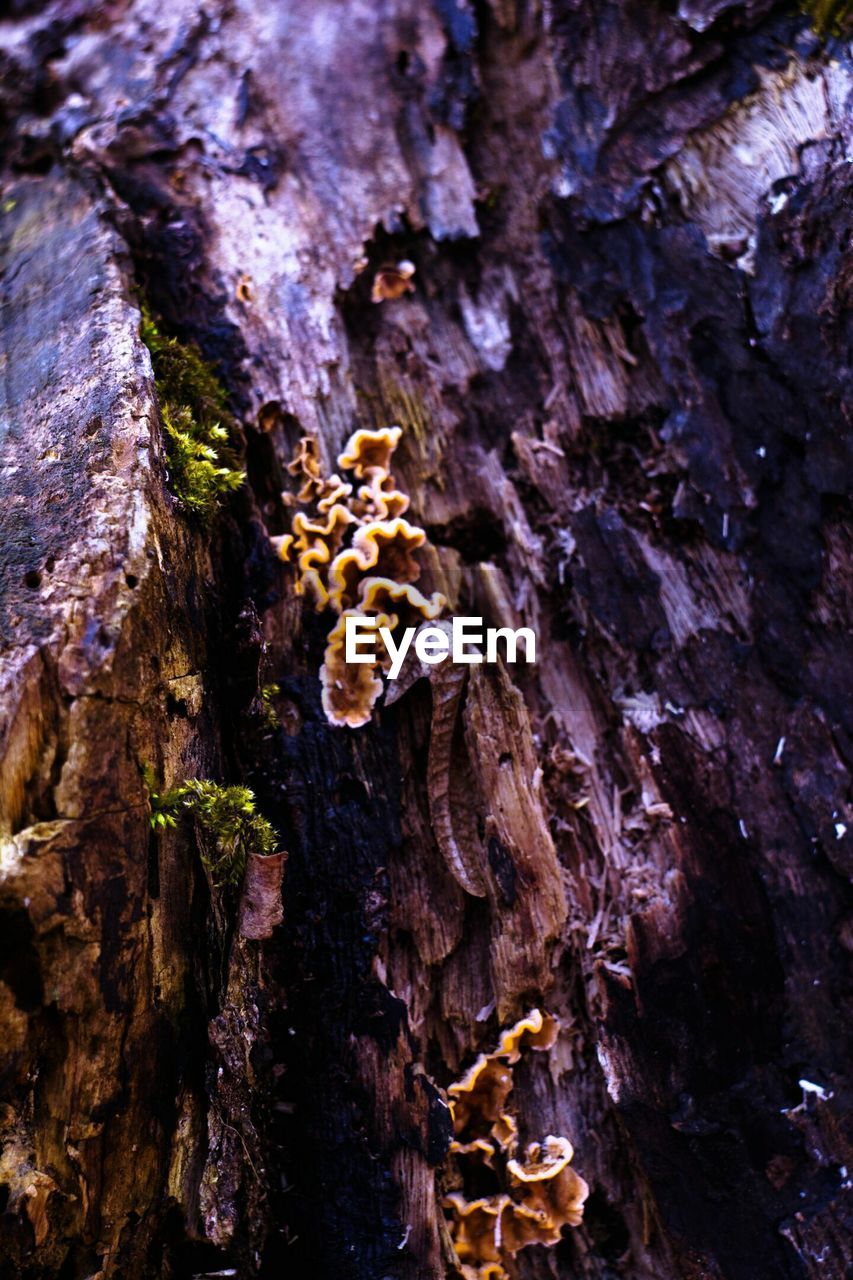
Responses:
[624,384]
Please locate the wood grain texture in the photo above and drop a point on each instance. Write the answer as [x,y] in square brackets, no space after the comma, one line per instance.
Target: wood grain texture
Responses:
[623,380]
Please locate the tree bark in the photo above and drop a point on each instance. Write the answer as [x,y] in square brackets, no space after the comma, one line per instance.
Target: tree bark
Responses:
[623,382]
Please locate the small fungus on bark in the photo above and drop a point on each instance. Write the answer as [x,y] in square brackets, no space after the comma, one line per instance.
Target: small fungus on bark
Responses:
[545,1185]
[383,548]
[477,1237]
[356,557]
[477,1101]
[392,281]
[536,1196]
[350,690]
[369,451]
[537,1031]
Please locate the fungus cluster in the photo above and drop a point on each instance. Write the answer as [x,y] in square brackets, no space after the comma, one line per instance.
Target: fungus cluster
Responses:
[534,1194]
[393,281]
[354,555]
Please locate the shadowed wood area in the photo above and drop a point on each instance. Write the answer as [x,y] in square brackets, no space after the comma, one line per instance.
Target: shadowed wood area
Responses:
[592,256]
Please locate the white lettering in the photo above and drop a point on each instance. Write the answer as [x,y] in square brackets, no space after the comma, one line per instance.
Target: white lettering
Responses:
[432,645]
[461,641]
[527,634]
[461,626]
[355,642]
[397,653]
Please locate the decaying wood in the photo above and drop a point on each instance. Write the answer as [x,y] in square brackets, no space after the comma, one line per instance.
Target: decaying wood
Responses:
[450,782]
[623,381]
[261,906]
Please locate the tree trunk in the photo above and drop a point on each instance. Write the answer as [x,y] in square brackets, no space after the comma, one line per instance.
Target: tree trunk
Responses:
[621,380]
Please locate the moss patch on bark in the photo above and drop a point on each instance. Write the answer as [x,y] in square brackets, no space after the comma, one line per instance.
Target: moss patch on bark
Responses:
[196,422]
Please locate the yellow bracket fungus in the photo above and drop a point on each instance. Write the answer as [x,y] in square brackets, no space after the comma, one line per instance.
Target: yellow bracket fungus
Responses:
[356,558]
[537,1195]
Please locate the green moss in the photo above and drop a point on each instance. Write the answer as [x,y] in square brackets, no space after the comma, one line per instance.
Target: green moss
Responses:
[405,406]
[196,421]
[268,692]
[226,815]
[829,17]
